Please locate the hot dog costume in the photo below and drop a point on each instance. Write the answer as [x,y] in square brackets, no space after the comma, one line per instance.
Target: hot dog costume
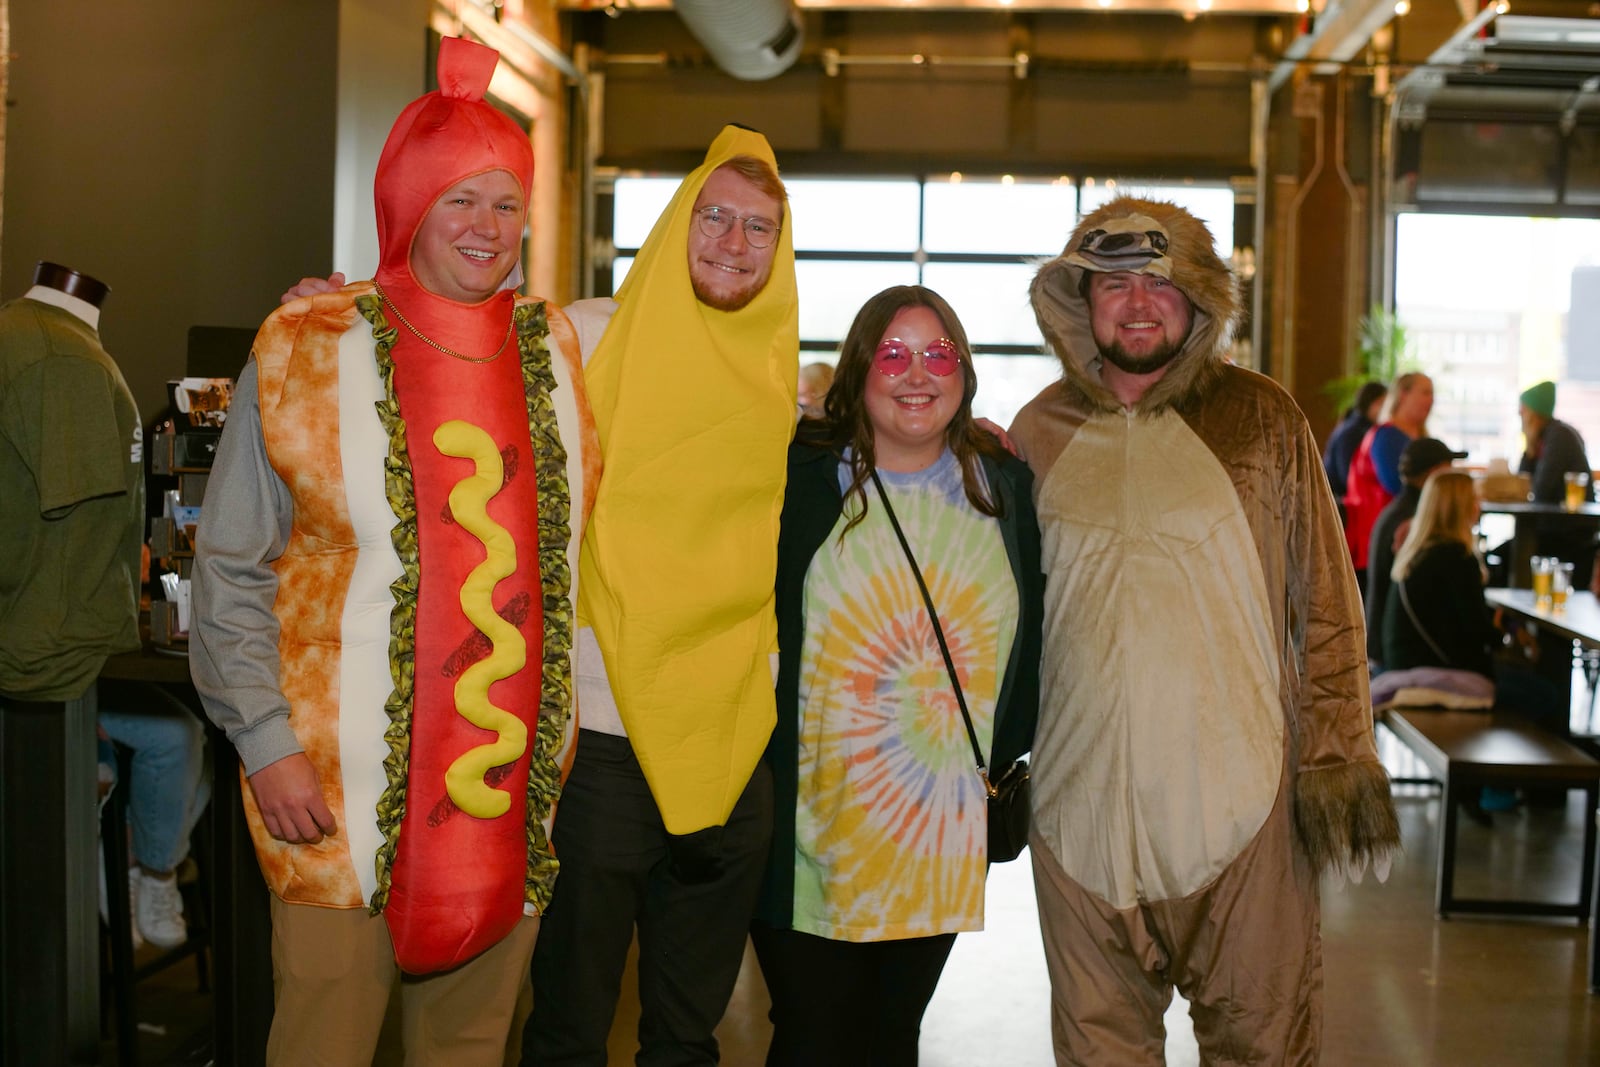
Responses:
[1205,741]
[387,570]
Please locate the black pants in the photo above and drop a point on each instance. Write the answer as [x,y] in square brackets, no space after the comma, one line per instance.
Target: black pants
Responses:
[616,872]
[838,1002]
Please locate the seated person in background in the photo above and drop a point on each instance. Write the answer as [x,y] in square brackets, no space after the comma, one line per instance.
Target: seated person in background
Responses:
[1434,614]
[815,378]
[1358,418]
[167,791]
[1553,449]
[1419,459]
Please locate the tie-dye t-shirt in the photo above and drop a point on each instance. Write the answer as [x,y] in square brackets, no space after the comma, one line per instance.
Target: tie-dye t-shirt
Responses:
[891,830]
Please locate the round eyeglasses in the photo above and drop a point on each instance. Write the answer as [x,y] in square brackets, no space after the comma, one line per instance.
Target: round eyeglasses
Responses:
[893,357]
[716,222]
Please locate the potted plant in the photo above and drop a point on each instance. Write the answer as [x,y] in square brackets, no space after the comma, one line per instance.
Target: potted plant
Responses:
[1384,354]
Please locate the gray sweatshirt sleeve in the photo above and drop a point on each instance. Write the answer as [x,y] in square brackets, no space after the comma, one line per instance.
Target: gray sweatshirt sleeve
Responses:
[233,638]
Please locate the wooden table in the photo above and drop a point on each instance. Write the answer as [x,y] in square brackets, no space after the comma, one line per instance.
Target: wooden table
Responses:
[1578,620]
[1526,518]
[240,920]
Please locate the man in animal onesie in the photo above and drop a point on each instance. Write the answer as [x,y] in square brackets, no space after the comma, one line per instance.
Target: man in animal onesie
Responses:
[384,591]
[1205,742]
[666,818]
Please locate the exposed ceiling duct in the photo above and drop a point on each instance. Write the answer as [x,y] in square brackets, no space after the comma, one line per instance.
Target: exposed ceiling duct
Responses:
[750,39]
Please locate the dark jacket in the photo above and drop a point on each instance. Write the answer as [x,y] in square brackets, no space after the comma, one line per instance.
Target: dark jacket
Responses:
[812,503]
[1342,445]
[1380,561]
[1445,589]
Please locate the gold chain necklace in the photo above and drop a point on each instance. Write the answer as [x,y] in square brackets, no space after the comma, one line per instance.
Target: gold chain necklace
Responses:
[430,342]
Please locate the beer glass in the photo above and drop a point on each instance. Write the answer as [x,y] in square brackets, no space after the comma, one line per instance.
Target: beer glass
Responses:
[1544,568]
[1560,585]
[1577,489]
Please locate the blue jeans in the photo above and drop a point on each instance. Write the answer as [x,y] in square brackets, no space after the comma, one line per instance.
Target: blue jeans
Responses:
[170,786]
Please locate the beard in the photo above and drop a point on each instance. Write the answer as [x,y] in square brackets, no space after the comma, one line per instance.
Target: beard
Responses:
[1152,361]
[734,301]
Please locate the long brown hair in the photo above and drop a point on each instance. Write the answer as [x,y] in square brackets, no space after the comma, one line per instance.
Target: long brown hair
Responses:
[846,423]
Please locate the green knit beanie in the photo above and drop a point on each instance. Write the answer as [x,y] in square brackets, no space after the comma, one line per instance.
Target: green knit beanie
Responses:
[1540,397]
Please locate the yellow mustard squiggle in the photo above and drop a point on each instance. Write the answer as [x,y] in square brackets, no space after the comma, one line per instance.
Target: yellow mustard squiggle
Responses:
[468,499]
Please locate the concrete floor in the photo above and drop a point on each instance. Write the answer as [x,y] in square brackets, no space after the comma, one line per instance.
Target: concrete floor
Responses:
[1401,988]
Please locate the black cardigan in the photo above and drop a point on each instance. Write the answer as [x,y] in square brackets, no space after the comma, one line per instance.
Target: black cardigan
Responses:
[812,504]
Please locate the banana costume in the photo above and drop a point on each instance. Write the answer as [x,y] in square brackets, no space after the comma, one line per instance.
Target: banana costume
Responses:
[694,409]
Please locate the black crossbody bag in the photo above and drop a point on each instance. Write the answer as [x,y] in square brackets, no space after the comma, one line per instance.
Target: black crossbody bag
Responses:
[1010,795]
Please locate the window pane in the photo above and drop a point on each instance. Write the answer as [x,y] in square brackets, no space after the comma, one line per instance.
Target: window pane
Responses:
[639,202]
[1485,333]
[832,291]
[854,216]
[1017,218]
[991,298]
[1006,383]
[1211,204]
[619,271]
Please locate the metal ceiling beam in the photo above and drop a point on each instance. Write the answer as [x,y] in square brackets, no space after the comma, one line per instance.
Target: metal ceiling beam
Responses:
[1342,30]
[1185,8]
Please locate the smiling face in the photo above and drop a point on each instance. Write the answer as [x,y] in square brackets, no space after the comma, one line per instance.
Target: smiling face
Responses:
[1140,321]
[911,411]
[727,272]
[470,238]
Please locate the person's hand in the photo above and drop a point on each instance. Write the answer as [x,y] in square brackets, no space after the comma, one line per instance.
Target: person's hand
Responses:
[314,287]
[290,798]
[1005,438]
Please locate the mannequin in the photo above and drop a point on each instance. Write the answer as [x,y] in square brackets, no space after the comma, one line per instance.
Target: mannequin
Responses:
[72,477]
[69,290]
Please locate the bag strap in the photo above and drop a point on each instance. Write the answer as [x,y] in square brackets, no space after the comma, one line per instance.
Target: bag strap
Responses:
[1405,602]
[938,632]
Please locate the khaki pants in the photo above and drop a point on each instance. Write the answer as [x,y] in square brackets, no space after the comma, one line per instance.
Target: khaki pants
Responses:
[332,973]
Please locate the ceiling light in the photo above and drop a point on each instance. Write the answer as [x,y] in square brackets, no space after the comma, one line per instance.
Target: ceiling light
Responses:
[1401,7]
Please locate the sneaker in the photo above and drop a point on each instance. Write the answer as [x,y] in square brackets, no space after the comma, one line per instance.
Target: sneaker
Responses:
[158,910]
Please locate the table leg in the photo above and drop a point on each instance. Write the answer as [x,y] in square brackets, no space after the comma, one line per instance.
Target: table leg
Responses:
[241,922]
[1447,848]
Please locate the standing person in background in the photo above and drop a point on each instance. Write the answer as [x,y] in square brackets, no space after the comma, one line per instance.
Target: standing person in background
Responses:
[1552,449]
[384,588]
[667,814]
[1205,747]
[815,378]
[1421,458]
[1361,416]
[879,841]
[1374,477]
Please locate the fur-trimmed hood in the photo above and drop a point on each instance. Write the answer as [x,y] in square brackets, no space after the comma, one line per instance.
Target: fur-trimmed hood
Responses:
[1148,237]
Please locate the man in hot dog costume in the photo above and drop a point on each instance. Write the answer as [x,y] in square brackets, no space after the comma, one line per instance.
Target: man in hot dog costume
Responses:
[667,815]
[385,588]
[1205,742]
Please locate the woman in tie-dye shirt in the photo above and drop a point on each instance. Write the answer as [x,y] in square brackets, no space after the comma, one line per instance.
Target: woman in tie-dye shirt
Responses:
[878,856]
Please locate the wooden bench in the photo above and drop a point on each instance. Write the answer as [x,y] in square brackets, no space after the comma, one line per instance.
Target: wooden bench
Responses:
[1467,750]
